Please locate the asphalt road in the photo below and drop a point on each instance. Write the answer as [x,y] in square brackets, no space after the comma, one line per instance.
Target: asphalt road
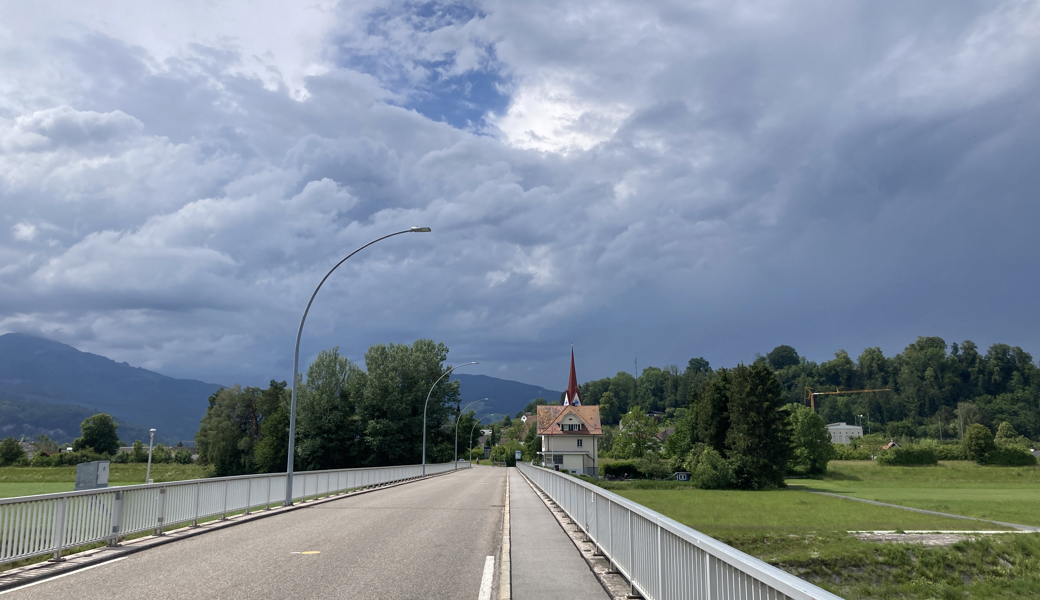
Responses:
[427,539]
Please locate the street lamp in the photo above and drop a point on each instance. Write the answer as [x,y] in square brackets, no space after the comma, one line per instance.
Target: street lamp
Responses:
[148,471]
[457,420]
[296,360]
[428,394]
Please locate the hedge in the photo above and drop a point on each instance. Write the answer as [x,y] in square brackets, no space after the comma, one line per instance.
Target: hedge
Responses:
[1008,456]
[908,455]
[622,468]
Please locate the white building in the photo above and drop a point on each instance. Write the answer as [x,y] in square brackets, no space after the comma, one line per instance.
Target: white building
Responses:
[843,434]
[570,433]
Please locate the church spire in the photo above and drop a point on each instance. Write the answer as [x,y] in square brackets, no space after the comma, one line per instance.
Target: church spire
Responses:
[572,398]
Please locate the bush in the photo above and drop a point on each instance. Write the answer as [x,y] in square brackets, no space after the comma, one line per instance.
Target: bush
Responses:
[710,471]
[11,452]
[182,457]
[848,452]
[42,460]
[978,442]
[950,452]
[652,466]
[1008,456]
[907,455]
[621,469]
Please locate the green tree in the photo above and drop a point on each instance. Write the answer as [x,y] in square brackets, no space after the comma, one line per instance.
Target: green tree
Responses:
[712,410]
[271,451]
[229,430]
[328,427]
[783,356]
[811,445]
[11,452]
[98,433]
[391,404]
[507,421]
[138,454]
[637,435]
[978,442]
[757,440]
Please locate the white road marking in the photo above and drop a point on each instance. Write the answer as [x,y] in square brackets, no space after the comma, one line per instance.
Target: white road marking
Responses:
[22,587]
[489,576]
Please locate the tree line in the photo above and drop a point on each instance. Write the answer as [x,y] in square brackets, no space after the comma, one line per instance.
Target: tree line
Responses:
[937,389]
[346,417]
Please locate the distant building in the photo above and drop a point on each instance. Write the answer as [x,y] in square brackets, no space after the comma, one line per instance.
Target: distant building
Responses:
[843,434]
[570,433]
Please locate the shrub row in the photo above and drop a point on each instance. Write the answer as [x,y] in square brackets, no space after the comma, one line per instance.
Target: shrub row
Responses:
[907,456]
[1008,456]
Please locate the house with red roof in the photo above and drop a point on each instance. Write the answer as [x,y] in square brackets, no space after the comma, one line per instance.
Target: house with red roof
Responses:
[570,433]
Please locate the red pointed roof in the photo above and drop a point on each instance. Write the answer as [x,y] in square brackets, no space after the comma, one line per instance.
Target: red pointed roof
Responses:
[573,397]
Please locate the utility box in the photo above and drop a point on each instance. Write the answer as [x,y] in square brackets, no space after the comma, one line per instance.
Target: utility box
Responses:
[517,455]
[682,476]
[92,475]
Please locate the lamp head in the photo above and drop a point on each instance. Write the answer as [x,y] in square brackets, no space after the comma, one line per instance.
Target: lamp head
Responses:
[152,430]
[420,229]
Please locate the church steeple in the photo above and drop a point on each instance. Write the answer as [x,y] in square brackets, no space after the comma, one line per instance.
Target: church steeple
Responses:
[572,397]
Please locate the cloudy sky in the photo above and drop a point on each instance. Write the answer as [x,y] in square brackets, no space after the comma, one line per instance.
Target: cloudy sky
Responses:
[668,179]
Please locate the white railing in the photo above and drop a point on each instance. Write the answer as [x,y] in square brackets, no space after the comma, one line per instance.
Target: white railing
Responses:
[662,558]
[52,523]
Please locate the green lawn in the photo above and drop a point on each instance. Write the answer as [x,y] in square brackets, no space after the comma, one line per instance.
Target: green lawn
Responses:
[805,534]
[28,481]
[721,513]
[1010,494]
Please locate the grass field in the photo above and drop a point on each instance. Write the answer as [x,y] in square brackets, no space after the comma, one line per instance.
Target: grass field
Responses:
[1010,494]
[28,481]
[806,534]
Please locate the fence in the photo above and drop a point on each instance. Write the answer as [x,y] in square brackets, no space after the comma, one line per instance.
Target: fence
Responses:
[662,558]
[51,523]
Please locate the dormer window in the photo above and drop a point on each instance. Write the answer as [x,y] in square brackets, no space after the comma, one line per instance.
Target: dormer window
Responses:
[571,426]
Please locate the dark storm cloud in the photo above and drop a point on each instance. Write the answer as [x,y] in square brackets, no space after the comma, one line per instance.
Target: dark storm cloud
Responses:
[672,180]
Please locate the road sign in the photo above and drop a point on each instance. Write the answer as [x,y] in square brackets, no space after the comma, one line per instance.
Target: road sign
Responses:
[524,418]
[518,455]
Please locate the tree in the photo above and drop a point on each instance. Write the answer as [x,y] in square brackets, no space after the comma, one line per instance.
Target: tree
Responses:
[11,452]
[272,449]
[978,441]
[712,410]
[328,428]
[391,405]
[637,435]
[138,453]
[757,440]
[229,430]
[98,433]
[783,356]
[811,445]
[507,421]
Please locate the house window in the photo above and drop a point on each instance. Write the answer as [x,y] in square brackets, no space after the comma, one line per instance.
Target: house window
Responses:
[557,459]
[579,443]
[571,426]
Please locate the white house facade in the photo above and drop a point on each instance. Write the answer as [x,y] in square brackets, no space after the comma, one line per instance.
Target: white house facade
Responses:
[843,434]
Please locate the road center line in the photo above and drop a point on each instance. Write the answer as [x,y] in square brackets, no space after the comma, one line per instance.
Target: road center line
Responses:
[28,585]
[489,576]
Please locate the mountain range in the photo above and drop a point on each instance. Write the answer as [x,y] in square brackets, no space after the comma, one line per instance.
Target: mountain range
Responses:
[49,387]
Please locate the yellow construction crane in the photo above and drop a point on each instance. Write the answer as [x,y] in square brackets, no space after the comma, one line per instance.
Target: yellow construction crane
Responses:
[810,396]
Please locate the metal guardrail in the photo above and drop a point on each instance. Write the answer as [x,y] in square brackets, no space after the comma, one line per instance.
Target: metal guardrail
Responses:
[52,523]
[662,558]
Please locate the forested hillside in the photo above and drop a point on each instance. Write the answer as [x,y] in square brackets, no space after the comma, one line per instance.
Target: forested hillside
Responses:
[937,388]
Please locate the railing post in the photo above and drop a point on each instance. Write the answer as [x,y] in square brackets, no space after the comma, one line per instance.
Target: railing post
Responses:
[162,511]
[660,568]
[198,499]
[267,504]
[58,529]
[223,512]
[117,519]
[249,493]
[631,557]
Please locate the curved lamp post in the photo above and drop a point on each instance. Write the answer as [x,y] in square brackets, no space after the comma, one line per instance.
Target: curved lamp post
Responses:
[296,359]
[428,394]
[457,420]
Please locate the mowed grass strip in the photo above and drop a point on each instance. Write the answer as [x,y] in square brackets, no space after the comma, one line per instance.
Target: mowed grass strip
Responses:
[727,513]
[1009,494]
[29,481]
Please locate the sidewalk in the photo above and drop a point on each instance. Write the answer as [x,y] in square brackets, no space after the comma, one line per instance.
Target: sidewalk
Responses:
[545,563]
